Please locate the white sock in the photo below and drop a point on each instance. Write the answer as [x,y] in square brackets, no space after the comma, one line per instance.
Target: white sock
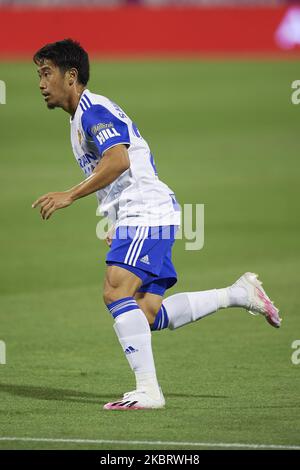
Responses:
[188,307]
[133,331]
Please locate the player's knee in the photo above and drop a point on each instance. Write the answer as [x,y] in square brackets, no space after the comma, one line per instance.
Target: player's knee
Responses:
[110,294]
[114,293]
[119,283]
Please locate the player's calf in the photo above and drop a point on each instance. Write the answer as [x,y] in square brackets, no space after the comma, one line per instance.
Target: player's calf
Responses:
[150,304]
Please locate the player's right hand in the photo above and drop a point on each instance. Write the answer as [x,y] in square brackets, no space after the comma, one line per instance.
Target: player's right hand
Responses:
[50,202]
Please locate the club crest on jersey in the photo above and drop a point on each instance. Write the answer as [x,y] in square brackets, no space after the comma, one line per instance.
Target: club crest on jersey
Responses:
[102,125]
[79,136]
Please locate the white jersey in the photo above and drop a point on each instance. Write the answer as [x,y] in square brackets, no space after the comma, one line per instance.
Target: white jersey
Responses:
[137,196]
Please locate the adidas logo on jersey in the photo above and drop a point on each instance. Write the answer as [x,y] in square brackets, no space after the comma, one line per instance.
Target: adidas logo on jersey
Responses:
[130,350]
[145,259]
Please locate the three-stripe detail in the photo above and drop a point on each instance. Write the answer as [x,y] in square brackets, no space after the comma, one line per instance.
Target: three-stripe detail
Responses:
[161,320]
[136,245]
[121,306]
[85,102]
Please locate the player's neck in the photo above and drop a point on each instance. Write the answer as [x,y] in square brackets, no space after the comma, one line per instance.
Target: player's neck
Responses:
[72,101]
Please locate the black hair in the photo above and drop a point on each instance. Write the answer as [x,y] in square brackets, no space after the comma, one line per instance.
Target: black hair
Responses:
[66,54]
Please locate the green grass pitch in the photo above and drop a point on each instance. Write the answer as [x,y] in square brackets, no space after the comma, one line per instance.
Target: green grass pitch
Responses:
[224,134]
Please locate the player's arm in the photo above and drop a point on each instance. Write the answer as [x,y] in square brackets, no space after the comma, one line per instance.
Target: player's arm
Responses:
[114,162]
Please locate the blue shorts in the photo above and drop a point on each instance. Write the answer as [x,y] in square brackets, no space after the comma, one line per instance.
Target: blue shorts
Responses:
[147,253]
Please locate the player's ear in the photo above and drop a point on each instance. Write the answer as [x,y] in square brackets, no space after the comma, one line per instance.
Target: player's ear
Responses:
[72,76]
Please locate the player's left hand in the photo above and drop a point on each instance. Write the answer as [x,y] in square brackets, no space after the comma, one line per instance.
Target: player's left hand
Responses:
[110,235]
[50,202]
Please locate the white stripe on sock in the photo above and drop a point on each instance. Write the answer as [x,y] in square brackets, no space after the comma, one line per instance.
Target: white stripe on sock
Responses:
[122,305]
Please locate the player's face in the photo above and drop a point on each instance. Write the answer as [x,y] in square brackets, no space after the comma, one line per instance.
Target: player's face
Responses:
[53,84]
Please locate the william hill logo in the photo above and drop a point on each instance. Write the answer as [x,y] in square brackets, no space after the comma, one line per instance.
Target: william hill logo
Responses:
[107,134]
[102,125]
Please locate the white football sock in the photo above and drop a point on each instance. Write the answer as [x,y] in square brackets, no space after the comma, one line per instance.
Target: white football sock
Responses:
[134,334]
[188,307]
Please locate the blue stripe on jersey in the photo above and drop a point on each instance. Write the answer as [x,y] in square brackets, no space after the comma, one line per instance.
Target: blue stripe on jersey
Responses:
[85,102]
[87,99]
[153,164]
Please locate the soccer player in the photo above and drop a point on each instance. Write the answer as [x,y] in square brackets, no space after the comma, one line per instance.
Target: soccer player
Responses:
[120,169]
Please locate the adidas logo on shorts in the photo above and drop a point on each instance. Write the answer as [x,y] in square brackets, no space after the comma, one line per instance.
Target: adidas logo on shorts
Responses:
[145,259]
